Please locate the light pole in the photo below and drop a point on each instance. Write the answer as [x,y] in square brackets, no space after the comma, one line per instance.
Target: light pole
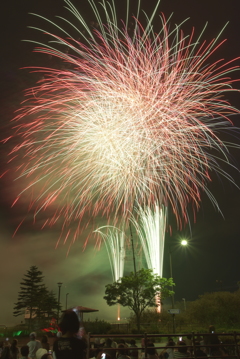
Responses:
[171,275]
[183,242]
[66,300]
[59,293]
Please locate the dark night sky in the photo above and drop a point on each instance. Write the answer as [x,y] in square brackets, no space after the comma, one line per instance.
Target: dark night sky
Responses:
[214,241]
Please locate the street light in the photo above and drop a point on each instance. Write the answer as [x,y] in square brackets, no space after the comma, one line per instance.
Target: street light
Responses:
[183,242]
[66,300]
[59,293]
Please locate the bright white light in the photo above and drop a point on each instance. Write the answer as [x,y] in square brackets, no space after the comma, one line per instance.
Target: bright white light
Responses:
[114,240]
[184,242]
[150,226]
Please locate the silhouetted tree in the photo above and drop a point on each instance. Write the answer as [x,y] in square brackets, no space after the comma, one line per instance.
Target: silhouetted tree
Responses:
[36,298]
[47,306]
[28,297]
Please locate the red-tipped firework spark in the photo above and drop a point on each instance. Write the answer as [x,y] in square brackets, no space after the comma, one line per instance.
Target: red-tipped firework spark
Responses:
[129,119]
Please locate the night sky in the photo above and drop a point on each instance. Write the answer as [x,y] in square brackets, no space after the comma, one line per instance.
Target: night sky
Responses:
[209,263]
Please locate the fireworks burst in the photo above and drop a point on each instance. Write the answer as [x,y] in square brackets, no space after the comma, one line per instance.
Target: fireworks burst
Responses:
[150,227]
[131,117]
[114,240]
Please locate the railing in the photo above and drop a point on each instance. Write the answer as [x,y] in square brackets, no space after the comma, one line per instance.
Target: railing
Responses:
[230,350]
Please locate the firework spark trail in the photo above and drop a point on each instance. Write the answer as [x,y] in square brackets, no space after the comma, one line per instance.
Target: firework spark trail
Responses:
[131,118]
[114,240]
[150,227]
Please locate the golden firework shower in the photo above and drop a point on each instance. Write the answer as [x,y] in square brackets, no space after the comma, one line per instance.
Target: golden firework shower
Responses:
[130,118]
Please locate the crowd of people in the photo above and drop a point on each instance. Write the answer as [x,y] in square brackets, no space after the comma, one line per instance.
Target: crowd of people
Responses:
[71,343]
[33,350]
[204,346]
[68,345]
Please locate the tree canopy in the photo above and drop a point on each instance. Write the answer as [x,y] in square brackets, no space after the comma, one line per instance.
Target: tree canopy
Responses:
[218,308]
[35,297]
[138,291]
[29,290]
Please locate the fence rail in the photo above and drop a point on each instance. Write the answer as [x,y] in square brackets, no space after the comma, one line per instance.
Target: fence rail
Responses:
[229,343]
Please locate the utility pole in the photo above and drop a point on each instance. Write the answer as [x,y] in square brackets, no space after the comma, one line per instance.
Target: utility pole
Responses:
[66,300]
[59,293]
[133,251]
[171,275]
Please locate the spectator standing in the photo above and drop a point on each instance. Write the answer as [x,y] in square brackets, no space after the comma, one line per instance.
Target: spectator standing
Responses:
[133,353]
[151,351]
[24,352]
[33,345]
[199,352]
[82,334]
[182,351]
[212,342]
[69,346]
[45,343]
[111,352]
[1,347]
[123,341]
[14,351]
[114,344]
[167,353]
[6,350]
[40,352]
[189,343]
[122,352]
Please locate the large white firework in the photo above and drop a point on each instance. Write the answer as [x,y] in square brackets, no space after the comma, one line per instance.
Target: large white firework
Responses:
[132,116]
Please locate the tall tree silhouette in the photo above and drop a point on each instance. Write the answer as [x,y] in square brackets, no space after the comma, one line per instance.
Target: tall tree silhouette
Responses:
[28,296]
